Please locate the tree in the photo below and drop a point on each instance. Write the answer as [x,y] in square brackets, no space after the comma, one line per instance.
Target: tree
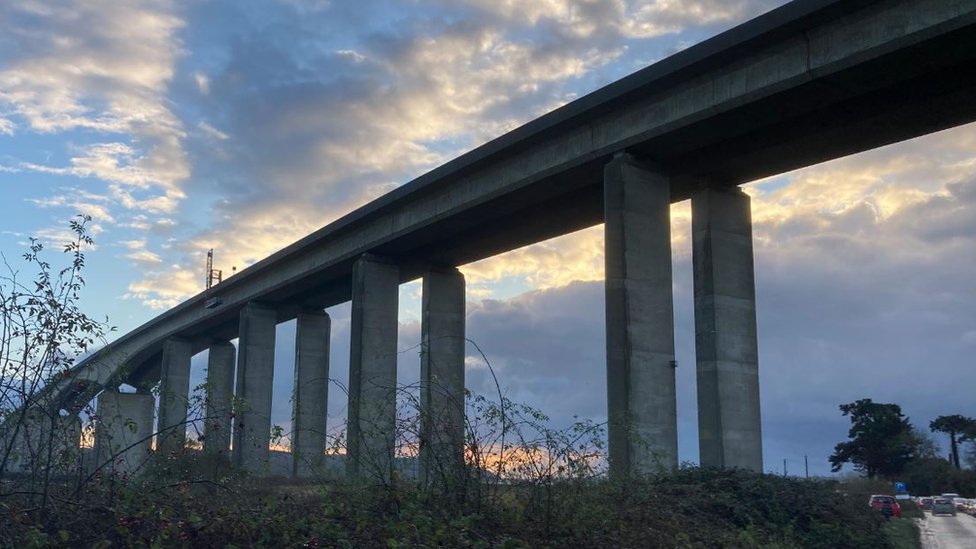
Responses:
[959,428]
[882,440]
[42,330]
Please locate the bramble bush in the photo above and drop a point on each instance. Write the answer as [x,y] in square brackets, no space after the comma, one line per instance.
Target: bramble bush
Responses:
[691,508]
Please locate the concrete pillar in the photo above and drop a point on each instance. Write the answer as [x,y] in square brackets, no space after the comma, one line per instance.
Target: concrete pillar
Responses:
[174,390]
[311,396]
[255,375]
[442,378]
[123,432]
[725,330]
[372,369]
[220,399]
[26,449]
[67,442]
[642,427]
[31,452]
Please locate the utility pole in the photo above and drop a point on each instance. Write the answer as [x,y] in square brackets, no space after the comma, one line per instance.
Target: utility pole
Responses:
[806,466]
[784,467]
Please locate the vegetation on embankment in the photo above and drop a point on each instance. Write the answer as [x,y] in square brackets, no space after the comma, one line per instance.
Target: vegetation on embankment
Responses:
[691,508]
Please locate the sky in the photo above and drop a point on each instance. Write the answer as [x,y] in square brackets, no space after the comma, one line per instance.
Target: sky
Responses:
[242,126]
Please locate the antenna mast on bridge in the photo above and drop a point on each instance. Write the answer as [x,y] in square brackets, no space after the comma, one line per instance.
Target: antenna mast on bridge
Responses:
[214,276]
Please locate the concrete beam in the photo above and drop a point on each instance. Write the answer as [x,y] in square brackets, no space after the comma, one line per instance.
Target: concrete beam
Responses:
[255,378]
[123,432]
[174,391]
[726,346]
[219,399]
[809,81]
[442,379]
[641,397]
[372,369]
[311,395]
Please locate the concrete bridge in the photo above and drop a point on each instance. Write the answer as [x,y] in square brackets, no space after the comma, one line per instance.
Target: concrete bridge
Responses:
[808,82]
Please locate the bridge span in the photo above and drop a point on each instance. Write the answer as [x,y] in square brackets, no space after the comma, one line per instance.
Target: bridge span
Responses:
[808,82]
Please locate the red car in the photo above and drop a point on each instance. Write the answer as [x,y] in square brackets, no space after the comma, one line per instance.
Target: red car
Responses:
[880,502]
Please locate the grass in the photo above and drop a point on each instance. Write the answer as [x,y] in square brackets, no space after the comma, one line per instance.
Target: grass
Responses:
[903,533]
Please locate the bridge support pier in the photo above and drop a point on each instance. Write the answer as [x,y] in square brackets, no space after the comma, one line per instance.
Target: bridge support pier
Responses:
[311,395]
[642,428]
[729,429]
[220,399]
[26,449]
[372,369]
[66,442]
[174,389]
[442,379]
[123,432]
[255,375]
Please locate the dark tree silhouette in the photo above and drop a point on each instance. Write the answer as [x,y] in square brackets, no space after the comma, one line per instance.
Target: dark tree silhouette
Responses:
[959,428]
[882,440]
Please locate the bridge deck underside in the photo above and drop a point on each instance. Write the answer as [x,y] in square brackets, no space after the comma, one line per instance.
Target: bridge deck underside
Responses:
[873,98]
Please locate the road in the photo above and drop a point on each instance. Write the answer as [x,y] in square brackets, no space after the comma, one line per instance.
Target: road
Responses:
[946,532]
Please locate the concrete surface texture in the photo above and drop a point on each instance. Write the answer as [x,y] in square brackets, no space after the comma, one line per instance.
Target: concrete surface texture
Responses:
[40,435]
[311,393]
[255,375]
[174,390]
[123,432]
[726,346]
[642,429]
[442,377]
[372,368]
[219,398]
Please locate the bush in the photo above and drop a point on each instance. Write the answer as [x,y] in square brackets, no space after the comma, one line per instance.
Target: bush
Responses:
[690,508]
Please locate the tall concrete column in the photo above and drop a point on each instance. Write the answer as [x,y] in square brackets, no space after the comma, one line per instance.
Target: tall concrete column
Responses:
[123,431]
[311,396]
[725,330]
[67,442]
[642,427]
[442,378]
[372,368]
[27,448]
[255,375]
[174,390]
[220,398]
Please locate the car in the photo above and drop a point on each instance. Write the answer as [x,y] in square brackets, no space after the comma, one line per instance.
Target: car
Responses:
[925,504]
[943,506]
[883,503]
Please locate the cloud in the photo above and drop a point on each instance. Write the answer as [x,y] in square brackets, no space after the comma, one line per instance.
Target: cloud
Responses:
[144,256]
[133,244]
[619,18]
[318,120]
[203,82]
[212,132]
[99,68]
[160,291]
[118,53]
